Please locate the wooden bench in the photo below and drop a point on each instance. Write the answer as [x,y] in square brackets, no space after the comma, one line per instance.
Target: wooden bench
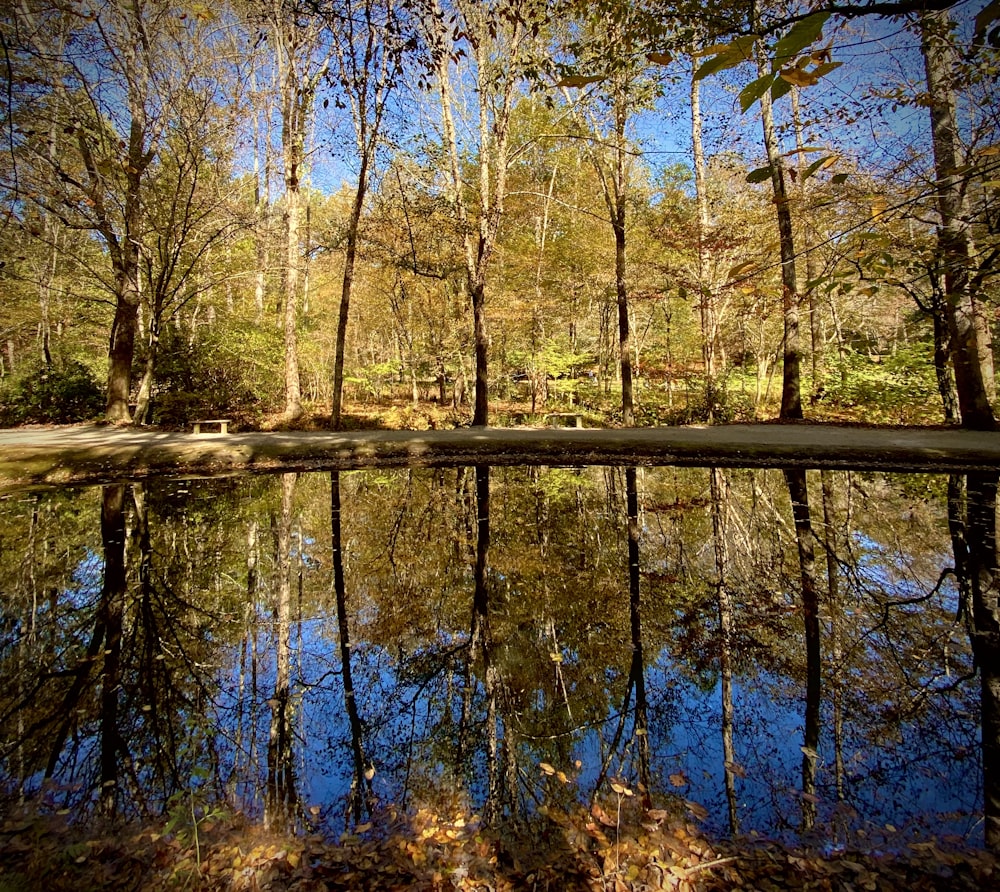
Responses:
[565,419]
[222,422]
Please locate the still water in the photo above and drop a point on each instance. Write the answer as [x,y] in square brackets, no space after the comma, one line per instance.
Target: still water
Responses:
[308,649]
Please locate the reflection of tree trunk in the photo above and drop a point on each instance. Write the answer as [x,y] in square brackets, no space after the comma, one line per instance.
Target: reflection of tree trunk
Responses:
[636,674]
[976,567]
[111,610]
[799,493]
[719,493]
[109,613]
[361,790]
[833,600]
[480,643]
[248,659]
[638,668]
[281,794]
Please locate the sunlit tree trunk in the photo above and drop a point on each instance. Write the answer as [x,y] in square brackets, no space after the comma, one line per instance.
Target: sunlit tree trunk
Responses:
[972,351]
[495,39]
[366,60]
[706,295]
[298,77]
[791,388]
[815,327]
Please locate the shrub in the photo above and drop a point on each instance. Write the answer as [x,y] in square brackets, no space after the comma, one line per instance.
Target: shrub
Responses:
[59,394]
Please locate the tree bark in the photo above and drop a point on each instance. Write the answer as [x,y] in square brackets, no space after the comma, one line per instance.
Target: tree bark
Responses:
[791,386]
[971,349]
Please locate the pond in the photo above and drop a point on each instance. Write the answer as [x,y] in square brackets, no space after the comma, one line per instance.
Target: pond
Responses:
[308,649]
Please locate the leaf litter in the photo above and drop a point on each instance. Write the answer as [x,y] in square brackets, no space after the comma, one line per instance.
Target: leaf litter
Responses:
[575,848]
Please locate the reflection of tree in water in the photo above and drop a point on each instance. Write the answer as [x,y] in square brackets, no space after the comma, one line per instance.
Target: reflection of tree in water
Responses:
[972,517]
[109,708]
[282,803]
[361,798]
[549,651]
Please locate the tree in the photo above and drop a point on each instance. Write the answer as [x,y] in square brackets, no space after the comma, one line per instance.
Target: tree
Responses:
[498,35]
[970,339]
[108,82]
[301,65]
[367,43]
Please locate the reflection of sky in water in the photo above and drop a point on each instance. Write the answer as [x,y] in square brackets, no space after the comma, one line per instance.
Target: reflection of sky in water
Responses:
[925,777]
[925,772]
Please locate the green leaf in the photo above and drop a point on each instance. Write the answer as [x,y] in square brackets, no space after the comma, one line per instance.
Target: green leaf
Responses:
[760,175]
[839,179]
[819,164]
[780,88]
[800,36]
[824,69]
[752,92]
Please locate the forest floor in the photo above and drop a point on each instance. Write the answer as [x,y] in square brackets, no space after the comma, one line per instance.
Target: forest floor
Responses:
[595,850]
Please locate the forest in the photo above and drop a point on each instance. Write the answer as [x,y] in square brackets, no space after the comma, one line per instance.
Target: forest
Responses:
[350,215]
[285,211]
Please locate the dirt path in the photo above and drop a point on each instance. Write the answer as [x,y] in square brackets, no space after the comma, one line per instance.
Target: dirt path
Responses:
[93,454]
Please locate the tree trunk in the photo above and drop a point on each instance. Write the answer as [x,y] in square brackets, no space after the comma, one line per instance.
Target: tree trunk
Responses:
[791,386]
[347,284]
[971,349]
[706,293]
[815,329]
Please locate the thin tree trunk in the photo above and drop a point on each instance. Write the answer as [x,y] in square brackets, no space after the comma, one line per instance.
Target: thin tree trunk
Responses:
[361,790]
[282,798]
[805,543]
[353,228]
[706,293]
[112,607]
[724,601]
[791,387]
[815,329]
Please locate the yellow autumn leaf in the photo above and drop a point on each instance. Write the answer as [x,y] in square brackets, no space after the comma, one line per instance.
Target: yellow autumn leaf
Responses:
[798,77]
